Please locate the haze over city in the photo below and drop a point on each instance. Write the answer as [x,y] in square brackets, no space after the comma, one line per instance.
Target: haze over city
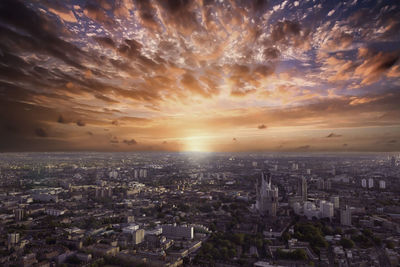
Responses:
[199,75]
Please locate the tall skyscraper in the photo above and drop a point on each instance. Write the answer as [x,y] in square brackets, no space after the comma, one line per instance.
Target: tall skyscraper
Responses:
[345,216]
[267,195]
[302,188]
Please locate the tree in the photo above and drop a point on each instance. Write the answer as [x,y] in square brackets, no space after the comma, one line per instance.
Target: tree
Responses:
[346,243]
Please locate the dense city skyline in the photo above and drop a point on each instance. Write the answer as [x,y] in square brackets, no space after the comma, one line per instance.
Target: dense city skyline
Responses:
[199,75]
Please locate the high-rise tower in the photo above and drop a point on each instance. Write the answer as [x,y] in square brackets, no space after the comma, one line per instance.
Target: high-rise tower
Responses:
[302,188]
[267,195]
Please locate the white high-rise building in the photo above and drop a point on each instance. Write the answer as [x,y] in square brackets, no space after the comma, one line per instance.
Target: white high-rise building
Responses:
[267,195]
[364,183]
[326,209]
[335,201]
[310,210]
[370,183]
[382,184]
[113,174]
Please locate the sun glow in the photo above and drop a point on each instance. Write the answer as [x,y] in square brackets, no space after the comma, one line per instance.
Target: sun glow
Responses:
[196,144]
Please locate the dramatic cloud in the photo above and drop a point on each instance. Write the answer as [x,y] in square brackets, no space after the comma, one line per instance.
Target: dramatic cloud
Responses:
[130,142]
[333,135]
[189,75]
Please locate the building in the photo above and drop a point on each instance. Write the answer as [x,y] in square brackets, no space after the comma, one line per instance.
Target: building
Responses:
[326,209]
[335,201]
[19,214]
[173,231]
[323,184]
[345,216]
[370,183]
[302,188]
[131,229]
[55,212]
[310,210]
[364,183]
[113,174]
[103,192]
[13,239]
[267,196]
[393,161]
[138,237]
[382,184]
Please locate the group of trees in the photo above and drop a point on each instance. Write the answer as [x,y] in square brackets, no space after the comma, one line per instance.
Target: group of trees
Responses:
[297,255]
[366,239]
[311,233]
[225,246]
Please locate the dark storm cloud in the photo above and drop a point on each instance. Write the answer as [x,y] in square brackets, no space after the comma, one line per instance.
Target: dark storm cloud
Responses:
[41,33]
[332,135]
[80,123]
[262,126]
[61,119]
[180,14]
[130,142]
[106,42]
[40,132]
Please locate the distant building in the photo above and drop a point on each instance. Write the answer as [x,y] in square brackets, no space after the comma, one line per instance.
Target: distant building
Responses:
[345,216]
[131,229]
[138,237]
[142,173]
[267,195]
[113,174]
[19,214]
[335,201]
[13,239]
[364,183]
[326,209]
[295,166]
[382,184]
[393,161]
[370,183]
[175,231]
[103,192]
[54,212]
[324,184]
[302,188]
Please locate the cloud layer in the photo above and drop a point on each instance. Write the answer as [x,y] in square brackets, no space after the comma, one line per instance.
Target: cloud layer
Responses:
[196,75]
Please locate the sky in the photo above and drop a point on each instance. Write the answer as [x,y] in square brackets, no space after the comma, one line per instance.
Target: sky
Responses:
[181,75]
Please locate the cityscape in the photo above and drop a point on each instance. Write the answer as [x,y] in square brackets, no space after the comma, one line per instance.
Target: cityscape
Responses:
[199,133]
[199,209]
